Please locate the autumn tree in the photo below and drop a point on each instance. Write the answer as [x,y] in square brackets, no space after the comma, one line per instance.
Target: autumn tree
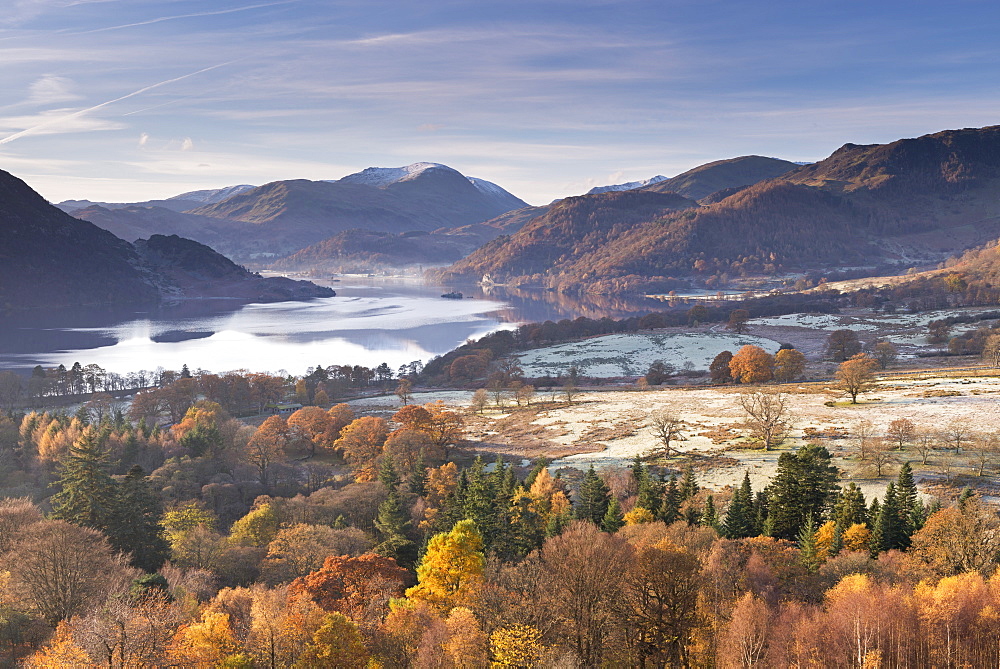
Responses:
[361,444]
[267,446]
[885,353]
[961,538]
[60,570]
[312,426]
[752,364]
[766,416]
[856,375]
[719,370]
[789,365]
[337,643]
[452,569]
[358,587]
[842,345]
[738,320]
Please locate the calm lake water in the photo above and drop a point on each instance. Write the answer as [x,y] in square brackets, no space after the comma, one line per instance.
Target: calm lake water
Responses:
[368,322]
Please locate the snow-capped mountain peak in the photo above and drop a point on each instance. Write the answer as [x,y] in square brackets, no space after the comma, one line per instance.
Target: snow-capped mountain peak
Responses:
[380,177]
[631,185]
[213,196]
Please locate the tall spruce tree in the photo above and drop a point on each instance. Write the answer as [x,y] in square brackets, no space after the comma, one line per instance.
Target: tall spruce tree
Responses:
[137,528]
[709,515]
[670,508]
[850,507]
[593,498]
[392,524]
[889,524]
[804,484]
[87,495]
[740,522]
[612,521]
[688,485]
[648,493]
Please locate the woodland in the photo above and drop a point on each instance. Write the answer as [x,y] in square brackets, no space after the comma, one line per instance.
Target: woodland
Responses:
[169,533]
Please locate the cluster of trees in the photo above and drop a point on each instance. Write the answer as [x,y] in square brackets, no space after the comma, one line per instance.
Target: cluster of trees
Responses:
[752,364]
[477,566]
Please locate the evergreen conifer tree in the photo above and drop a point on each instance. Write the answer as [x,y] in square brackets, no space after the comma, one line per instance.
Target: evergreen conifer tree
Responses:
[392,524]
[804,484]
[850,507]
[709,515]
[87,495]
[670,508]
[418,476]
[612,520]
[387,474]
[739,521]
[593,498]
[137,528]
[688,485]
[809,552]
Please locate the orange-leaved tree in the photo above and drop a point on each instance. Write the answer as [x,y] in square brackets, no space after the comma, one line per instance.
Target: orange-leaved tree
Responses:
[752,364]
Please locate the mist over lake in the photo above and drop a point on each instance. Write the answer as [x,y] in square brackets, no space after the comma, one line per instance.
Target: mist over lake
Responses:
[367,323]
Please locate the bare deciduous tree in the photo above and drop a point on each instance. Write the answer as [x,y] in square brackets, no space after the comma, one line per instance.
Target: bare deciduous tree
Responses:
[879,455]
[901,431]
[924,441]
[864,432]
[985,449]
[667,428]
[766,416]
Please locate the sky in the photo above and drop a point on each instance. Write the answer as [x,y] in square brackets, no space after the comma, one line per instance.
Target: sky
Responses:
[128,100]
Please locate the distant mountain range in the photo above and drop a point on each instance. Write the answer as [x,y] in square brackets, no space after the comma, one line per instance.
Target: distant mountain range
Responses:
[710,178]
[283,217]
[49,259]
[911,201]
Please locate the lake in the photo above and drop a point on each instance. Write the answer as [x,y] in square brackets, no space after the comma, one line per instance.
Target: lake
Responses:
[369,322]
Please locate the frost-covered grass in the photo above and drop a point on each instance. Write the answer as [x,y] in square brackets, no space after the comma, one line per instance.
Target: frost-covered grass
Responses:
[931,403]
[631,355]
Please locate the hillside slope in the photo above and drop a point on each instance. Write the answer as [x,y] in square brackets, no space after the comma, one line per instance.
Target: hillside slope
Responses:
[49,259]
[910,201]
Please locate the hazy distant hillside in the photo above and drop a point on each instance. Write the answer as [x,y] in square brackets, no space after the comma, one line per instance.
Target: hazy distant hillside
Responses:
[916,199]
[712,177]
[49,259]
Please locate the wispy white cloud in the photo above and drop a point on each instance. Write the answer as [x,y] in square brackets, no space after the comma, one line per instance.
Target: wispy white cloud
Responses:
[51,89]
[163,19]
[53,122]
[63,120]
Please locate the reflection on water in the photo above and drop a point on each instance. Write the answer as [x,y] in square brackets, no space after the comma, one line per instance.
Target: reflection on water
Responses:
[368,323]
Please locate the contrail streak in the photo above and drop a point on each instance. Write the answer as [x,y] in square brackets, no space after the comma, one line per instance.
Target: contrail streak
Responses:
[184,16]
[77,114]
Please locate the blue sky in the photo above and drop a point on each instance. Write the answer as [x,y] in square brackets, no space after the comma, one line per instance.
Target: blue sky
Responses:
[125,100]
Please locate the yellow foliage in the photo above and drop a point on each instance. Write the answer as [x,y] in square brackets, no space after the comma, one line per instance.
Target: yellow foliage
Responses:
[452,569]
[467,643]
[638,516]
[857,537]
[206,642]
[824,540]
[63,651]
[517,646]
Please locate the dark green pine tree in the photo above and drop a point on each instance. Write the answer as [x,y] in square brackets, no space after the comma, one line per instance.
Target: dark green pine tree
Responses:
[709,515]
[889,523]
[670,508]
[593,498]
[740,521]
[689,485]
[612,521]
[907,501]
[387,474]
[804,484]
[478,504]
[540,464]
[418,476]
[808,550]
[837,544]
[503,483]
[557,521]
[137,528]
[648,492]
[392,524]
[850,508]
[88,495]
[760,507]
